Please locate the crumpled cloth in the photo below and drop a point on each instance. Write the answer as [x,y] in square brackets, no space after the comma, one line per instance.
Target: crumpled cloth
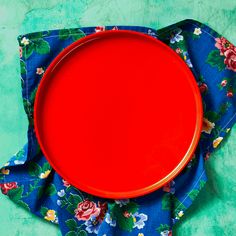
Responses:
[28,179]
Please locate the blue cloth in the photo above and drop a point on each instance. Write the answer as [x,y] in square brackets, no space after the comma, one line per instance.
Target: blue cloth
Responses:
[29,180]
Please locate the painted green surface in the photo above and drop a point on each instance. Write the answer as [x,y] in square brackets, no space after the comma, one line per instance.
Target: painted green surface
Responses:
[214,212]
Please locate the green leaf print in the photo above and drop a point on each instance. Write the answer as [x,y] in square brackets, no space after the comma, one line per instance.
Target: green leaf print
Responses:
[216,60]
[71,224]
[41,46]
[51,190]
[193,194]
[177,205]
[71,209]
[28,50]
[46,166]
[27,107]
[15,194]
[63,203]
[36,35]
[43,211]
[47,191]
[24,205]
[130,207]
[75,34]
[202,184]
[20,154]
[32,95]
[22,67]
[162,228]
[125,223]
[71,233]
[34,169]
[212,116]
[64,34]
[224,107]
[74,199]
[166,202]
[82,233]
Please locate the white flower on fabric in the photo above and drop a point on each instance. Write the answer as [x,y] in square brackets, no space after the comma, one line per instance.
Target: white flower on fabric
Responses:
[61,193]
[110,221]
[17,162]
[165,233]
[39,71]
[197,31]
[180,214]
[176,37]
[122,202]
[25,41]
[58,202]
[139,220]
[56,220]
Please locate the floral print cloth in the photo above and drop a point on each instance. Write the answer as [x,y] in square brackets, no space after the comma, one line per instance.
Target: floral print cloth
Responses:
[28,179]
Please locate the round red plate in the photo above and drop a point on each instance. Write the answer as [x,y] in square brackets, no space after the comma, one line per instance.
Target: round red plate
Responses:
[118,114]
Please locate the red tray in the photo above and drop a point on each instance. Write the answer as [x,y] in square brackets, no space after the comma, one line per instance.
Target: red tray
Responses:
[118,114]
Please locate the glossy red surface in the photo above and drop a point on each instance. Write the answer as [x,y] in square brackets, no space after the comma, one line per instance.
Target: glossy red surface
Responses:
[118,114]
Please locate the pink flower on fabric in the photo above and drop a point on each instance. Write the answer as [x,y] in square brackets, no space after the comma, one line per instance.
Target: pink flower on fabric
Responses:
[99,29]
[169,187]
[39,71]
[20,51]
[224,83]
[207,156]
[65,183]
[178,50]
[223,44]
[230,59]
[86,209]
[8,186]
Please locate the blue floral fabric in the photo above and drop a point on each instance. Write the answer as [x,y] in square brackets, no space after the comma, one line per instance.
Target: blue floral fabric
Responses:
[28,179]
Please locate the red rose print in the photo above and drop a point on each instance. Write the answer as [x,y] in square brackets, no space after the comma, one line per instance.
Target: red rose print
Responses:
[203,87]
[230,59]
[99,29]
[103,210]
[223,44]
[230,94]
[8,186]
[86,209]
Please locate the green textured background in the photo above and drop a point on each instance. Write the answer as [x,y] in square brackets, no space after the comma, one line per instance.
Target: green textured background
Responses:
[214,211]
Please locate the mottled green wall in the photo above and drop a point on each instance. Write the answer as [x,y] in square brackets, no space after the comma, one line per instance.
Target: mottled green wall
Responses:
[214,212]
